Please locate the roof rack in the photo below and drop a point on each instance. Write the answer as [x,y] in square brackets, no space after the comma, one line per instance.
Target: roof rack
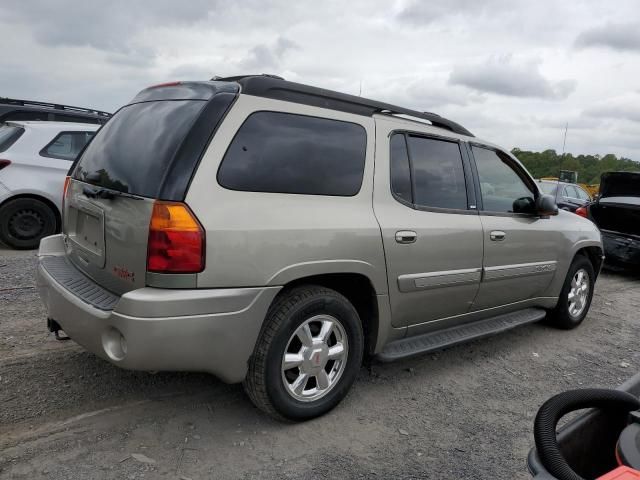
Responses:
[53,106]
[272,86]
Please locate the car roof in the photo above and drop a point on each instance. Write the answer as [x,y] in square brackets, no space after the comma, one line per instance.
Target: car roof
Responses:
[43,124]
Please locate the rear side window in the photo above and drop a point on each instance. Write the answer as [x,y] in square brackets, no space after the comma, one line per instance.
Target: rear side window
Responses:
[400,171]
[288,153]
[67,145]
[9,134]
[133,150]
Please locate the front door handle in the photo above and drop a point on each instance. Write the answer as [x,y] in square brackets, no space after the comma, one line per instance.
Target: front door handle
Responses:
[406,236]
[497,236]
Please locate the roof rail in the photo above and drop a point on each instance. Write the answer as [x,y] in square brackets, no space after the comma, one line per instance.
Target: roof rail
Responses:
[272,86]
[53,106]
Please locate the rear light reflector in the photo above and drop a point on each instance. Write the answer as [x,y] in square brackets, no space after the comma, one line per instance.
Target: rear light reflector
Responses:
[65,189]
[582,211]
[176,240]
[4,163]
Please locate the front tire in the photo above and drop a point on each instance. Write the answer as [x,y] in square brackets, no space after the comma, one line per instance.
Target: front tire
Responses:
[25,221]
[575,298]
[307,356]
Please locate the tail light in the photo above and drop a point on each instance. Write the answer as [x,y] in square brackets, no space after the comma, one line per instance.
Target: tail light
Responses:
[65,189]
[582,211]
[176,240]
[4,163]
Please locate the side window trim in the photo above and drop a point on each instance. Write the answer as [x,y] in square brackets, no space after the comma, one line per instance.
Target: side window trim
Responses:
[529,183]
[467,166]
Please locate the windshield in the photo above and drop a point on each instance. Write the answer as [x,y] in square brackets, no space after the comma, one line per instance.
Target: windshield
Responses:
[548,188]
[8,136]
[132,152]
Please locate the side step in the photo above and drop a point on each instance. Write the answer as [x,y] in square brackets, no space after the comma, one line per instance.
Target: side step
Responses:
[428,342]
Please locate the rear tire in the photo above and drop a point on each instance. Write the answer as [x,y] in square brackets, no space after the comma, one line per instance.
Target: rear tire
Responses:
[307,356]
[25,221]
[575,298]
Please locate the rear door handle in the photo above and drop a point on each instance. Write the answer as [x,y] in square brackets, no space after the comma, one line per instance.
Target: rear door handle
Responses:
[497,236]
[406,236]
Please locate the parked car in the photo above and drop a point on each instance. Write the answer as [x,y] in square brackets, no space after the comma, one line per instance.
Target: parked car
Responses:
[34,160]
[569,196]
[238,227]
[616,211]
[14,109]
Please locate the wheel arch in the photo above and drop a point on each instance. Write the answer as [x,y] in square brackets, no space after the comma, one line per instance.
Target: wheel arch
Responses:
[42,199]
[355,287]
[594,254]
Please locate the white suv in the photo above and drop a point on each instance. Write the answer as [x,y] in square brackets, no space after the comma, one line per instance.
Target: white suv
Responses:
[34,160]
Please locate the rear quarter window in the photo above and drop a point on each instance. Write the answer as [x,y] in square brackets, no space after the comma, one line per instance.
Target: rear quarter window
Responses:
[9,134]
[67,145]
[288,153]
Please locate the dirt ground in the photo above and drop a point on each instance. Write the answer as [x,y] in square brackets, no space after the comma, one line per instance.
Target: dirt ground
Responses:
[466,412]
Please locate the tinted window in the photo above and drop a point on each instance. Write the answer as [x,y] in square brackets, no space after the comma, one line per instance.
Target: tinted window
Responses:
[67,145]
[500,185]
[400,175]
[286,153]
[9,134]
[437,173]
[132,151]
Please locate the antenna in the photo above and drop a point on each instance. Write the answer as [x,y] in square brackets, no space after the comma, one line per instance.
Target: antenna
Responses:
[360,91]
[564,141]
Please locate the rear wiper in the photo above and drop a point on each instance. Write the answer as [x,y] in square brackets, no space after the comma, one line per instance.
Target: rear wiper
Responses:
[106,194]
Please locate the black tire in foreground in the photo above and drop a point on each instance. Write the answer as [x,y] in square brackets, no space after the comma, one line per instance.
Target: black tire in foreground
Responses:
[25,221]
[575,298]
[308,354]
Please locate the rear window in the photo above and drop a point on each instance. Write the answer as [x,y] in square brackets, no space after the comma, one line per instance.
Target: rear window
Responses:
[132,152]
[9,134]
[288,153]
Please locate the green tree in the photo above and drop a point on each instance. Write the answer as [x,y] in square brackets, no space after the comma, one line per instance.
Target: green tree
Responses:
[589,167]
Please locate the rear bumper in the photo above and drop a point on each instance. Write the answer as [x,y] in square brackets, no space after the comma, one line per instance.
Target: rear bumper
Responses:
[208,330]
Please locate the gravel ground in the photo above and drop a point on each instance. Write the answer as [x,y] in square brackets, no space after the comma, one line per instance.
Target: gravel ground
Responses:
[466,412]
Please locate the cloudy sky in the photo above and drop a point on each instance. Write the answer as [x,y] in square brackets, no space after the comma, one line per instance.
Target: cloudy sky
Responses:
[511,71]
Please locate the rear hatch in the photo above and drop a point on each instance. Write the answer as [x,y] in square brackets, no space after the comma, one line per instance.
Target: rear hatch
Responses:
[147,151]
[618,206]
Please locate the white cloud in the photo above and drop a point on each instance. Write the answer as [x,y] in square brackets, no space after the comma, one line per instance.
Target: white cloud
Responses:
[616,36]
[486,65]
[505,76]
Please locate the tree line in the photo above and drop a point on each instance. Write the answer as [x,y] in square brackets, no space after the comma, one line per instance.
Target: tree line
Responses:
[589,167]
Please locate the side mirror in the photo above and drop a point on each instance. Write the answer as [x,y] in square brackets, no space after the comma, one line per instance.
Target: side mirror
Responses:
[546,205]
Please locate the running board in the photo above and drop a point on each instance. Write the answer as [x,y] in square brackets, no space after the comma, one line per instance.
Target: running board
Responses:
[428,342]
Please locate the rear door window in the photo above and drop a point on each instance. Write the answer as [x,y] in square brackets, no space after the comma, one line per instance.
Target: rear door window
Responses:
[287,153]
[437,173]
[67,145]
[132,151]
